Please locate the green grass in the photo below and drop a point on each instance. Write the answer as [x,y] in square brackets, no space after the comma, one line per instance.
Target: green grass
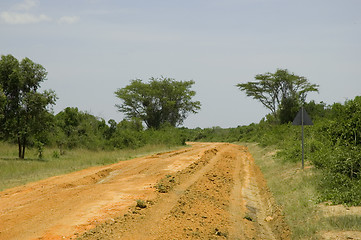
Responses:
[347,222]
[15,172]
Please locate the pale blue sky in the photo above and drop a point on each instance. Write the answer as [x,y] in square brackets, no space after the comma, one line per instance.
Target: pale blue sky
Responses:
[92,47]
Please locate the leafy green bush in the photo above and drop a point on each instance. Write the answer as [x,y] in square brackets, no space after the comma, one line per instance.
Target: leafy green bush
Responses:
[127,138]
[339,189]
[338,154]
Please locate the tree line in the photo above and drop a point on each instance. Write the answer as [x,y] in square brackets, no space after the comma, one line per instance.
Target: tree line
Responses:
[27,118]
[26,115]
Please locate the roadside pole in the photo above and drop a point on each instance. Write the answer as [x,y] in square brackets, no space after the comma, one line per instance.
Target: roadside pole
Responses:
[302,118]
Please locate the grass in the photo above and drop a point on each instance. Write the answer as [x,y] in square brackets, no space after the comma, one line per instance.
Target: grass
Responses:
[348,222]
[15,172]
[296,191]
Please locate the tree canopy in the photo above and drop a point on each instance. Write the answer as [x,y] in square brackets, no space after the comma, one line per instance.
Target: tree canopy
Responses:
[281,92]
[24,111]
[160,101]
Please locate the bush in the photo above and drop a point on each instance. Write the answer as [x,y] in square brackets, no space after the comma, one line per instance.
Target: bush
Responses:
[141,203]
[127,138]
[338,154]
[339,189]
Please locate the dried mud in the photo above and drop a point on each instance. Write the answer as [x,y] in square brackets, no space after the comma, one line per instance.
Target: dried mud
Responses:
[208,191]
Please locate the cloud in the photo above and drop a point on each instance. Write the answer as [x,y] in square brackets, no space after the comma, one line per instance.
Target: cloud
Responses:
[26,5]
[23,18]
[68,19]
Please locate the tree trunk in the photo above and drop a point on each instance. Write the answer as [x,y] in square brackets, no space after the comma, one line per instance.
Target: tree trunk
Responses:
[23,153]
[19,144]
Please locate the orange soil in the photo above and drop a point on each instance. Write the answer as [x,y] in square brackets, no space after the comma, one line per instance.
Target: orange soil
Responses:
[214,190]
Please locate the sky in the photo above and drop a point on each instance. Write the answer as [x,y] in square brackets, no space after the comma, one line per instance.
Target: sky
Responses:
[90,48]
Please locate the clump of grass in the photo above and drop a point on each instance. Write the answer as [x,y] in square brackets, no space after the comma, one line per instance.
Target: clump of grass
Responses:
[165,184]
[346,222]
[56,154]
[141,203]
[162,188]
[247,217]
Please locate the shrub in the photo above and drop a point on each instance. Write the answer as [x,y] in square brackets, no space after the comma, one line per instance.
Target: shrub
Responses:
[56,154]
[141,203]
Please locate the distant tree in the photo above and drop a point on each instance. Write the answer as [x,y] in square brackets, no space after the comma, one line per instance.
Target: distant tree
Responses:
[80,129]
[25,112]
[111,129]
[162,100]
[317,110]
[281,92]
[288,109]
[129,134]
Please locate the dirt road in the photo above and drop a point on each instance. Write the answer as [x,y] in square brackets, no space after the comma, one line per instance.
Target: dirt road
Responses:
[210,191]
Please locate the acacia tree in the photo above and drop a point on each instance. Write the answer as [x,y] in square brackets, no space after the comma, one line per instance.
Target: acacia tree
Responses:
[162,100]
[281,92]
[25,111]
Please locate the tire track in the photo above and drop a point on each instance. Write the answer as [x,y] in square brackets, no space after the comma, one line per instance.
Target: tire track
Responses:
[266,220]
[129,225]
[236,201]
[257,207]
[164,206]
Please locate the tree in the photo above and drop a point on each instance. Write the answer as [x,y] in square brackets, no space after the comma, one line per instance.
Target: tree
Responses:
[25,112]
[280,92]
[111,130]
[162,100]
[2,103]
[80,129]
[318,110]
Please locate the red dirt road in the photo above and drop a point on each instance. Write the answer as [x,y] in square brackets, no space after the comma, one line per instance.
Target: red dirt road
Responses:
[214,190]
